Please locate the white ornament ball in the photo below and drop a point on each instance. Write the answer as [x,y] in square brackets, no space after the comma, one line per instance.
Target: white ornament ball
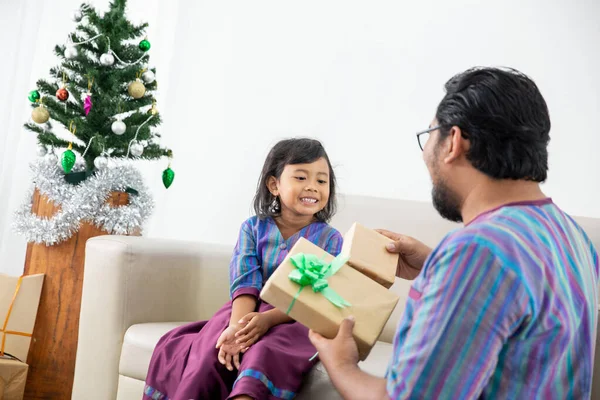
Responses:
[77,15]
[118,127]
[136,149]
[51,158]
[148,76]
[107,59]
[42,151]
[100,162]
[70,52]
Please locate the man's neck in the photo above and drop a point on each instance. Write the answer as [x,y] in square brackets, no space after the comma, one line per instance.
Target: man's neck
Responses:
[489,194]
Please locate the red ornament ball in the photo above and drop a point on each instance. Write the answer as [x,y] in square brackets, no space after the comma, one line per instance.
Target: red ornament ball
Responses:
[62,94]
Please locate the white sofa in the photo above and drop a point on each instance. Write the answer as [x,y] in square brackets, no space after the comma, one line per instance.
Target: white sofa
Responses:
[136,289]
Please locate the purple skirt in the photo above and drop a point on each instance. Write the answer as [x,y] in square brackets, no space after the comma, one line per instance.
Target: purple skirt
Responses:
[185,366]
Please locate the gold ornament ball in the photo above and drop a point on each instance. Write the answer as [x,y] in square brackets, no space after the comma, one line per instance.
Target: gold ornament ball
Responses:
[153,111]
[40,115]
[136,89]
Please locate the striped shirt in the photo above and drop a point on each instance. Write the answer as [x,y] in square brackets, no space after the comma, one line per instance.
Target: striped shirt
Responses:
[261,248]
[504,308]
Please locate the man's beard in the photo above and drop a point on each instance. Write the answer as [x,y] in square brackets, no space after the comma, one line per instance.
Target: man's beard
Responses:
[446,202]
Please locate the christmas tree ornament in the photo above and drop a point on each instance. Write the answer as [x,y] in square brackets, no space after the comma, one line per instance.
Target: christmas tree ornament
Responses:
[107,59]
[33,96]
[40,114]
[136,89]
[42,151]
[87,103]
[77,15]
[145,45]
[70,52]
[100,162]
[118,127]
[51,158]
[148,77]
[168,176]
[137,149]
[62,94]
[68,159]
[153,110]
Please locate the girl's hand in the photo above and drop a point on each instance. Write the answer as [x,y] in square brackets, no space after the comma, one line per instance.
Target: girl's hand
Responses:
[255,325]
[229,350]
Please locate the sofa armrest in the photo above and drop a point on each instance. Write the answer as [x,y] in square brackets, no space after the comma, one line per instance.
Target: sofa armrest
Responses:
[131,280]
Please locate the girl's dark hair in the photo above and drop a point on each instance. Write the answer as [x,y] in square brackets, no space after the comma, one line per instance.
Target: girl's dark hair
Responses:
[286,152]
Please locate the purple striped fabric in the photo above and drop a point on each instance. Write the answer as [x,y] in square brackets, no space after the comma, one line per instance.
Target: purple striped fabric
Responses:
[505,308]
[261,248]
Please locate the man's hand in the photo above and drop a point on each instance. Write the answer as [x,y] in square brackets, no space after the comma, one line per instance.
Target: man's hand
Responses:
[340,357]
[255,325]
[339,353]
[229,350]
[412,254]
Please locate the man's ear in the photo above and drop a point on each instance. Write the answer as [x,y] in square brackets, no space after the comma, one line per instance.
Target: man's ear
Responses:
[273,186]
[456,145]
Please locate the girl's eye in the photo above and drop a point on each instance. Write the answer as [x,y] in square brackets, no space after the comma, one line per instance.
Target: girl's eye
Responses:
[322,182]
[301,178]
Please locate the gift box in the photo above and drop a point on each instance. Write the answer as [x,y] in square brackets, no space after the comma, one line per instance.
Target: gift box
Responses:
[13,374]
[366,252]
[319,291]
[19,300]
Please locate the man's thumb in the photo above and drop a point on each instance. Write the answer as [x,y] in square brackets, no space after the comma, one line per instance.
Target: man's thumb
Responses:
[346,327]
[394,247]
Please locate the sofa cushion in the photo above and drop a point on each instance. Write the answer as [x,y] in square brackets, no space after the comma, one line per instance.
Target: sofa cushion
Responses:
[140,340]
[138,345]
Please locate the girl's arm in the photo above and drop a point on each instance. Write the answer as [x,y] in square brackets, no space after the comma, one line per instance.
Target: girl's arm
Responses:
[242,306]
[245,274]
[276,317]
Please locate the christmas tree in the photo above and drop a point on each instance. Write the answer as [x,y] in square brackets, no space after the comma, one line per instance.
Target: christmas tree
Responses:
[102,93]
[96,113]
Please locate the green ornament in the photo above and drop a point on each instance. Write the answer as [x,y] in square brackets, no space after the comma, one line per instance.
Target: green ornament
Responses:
[145,45]
[34,96]
[168,176]
[68,160]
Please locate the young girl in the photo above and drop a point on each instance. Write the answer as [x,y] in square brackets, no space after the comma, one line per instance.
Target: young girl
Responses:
[248,349]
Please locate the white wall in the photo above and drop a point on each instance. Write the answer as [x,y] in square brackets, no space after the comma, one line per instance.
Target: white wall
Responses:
[235,76]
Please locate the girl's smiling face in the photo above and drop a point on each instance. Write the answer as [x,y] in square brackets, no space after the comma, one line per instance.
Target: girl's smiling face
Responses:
[303,189]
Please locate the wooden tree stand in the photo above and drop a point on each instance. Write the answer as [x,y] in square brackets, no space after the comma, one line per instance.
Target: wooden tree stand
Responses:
[54,344]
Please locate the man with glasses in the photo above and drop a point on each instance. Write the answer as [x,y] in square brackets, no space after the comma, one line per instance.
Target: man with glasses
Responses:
[505,307]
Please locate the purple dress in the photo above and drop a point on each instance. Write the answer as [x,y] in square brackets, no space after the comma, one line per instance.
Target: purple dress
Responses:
[185,366]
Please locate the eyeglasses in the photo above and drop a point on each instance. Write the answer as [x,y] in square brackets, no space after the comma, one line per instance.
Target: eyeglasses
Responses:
[423,136]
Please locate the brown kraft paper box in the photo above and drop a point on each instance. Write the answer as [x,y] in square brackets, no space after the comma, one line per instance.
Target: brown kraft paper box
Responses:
[13,375]
[19,301]
[371,304]
[366,252]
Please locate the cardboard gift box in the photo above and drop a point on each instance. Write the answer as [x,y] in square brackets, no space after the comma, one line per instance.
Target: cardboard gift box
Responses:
[355,294]
[13,375]
[366,252]
[19,300]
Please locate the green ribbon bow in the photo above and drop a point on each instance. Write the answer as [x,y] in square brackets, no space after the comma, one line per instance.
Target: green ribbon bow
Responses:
[314,271]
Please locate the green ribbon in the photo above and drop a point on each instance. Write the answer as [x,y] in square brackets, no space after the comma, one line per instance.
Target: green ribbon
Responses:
[313,271]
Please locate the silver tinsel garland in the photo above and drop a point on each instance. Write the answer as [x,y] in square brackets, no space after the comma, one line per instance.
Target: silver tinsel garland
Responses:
[84,202]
